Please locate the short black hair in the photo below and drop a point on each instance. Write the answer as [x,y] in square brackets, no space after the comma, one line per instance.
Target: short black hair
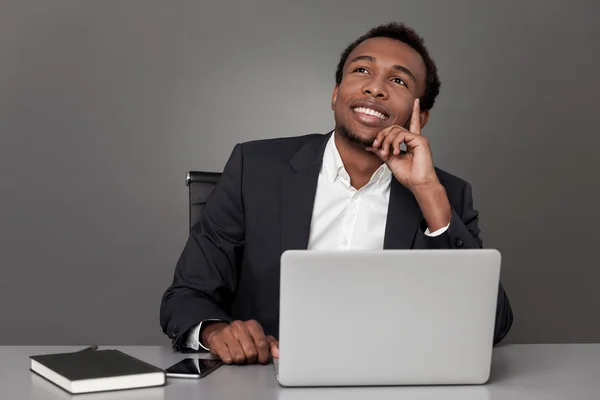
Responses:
[406,35]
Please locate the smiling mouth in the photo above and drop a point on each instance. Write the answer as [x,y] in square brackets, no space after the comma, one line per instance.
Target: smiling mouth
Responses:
[370,112]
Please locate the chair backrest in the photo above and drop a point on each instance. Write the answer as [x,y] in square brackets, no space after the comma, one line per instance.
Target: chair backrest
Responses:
[201,184]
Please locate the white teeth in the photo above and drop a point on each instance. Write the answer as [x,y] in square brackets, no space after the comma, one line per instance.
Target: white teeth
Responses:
[365,110]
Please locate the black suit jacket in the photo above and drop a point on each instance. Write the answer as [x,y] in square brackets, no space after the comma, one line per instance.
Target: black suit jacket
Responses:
[262,206]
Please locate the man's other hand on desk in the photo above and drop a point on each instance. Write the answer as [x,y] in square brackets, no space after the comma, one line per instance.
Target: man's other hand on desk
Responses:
[240,342]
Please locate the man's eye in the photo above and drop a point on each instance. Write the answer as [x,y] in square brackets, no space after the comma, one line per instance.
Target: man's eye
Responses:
[399,81]
[361,70]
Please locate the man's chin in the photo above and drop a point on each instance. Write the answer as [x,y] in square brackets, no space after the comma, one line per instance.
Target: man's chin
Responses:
[356,138]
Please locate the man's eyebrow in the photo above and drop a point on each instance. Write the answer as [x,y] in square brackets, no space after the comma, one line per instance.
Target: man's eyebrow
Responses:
[363,58]
[396,67]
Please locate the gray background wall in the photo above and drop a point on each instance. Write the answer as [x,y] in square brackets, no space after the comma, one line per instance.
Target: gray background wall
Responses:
[104,106]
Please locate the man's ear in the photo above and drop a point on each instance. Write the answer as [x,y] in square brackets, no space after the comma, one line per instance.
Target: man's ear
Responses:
[334,97]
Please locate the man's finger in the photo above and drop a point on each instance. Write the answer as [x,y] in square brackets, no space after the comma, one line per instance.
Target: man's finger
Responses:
[219,350]
[381,136]
[396,144]
[273,346]
[415,119]
[377,152]
[235,348]
[240,331]
[398,135]
[387,142]
[260,341]
[413,140]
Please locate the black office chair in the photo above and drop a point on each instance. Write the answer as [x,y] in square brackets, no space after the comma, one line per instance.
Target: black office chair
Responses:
[201,184]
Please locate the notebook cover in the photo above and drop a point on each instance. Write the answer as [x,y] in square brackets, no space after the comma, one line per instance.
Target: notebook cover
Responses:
[94,364]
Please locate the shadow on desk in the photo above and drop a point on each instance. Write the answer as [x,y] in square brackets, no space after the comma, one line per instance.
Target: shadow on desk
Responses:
[43,389]
[499,371]
[501,365]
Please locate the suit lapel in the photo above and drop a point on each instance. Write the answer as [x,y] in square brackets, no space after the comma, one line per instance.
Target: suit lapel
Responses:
[403,219]
[298,189]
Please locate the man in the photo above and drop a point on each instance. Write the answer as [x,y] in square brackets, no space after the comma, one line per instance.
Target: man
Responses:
[350,189]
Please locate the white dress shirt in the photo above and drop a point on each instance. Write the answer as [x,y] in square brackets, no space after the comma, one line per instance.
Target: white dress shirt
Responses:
[343,217]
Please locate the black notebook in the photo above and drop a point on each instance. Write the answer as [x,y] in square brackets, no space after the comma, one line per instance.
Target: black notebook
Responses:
[96,371]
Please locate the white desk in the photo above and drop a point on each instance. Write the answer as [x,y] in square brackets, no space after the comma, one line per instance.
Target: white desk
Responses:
[519,372]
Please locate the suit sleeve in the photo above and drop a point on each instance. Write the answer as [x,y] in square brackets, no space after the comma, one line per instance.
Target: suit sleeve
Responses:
[463,233]
[205,277]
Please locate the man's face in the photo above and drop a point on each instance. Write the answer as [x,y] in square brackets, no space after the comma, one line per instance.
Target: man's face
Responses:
[381,79]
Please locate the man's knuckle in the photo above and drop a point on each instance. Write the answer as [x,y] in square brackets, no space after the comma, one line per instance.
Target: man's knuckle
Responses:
[256,329]
[225,333]
[239,358]
[252,354]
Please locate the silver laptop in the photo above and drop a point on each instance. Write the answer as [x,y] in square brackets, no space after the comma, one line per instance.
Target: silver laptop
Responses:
[390,317]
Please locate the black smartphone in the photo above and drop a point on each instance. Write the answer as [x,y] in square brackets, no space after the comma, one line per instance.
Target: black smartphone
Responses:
[193,368]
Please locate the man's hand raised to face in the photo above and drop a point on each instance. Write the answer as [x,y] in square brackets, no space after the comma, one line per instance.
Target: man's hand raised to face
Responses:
[241,342]
[414,169]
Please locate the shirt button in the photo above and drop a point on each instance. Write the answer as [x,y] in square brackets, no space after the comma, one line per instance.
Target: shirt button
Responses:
[458,243]
[344,241]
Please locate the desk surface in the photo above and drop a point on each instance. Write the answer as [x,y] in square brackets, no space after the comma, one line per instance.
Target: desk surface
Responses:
[519,372]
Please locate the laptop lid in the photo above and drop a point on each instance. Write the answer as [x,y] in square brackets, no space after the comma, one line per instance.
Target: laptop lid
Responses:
[390,317]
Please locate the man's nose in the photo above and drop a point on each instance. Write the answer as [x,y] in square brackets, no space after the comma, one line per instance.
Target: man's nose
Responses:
[375,89]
